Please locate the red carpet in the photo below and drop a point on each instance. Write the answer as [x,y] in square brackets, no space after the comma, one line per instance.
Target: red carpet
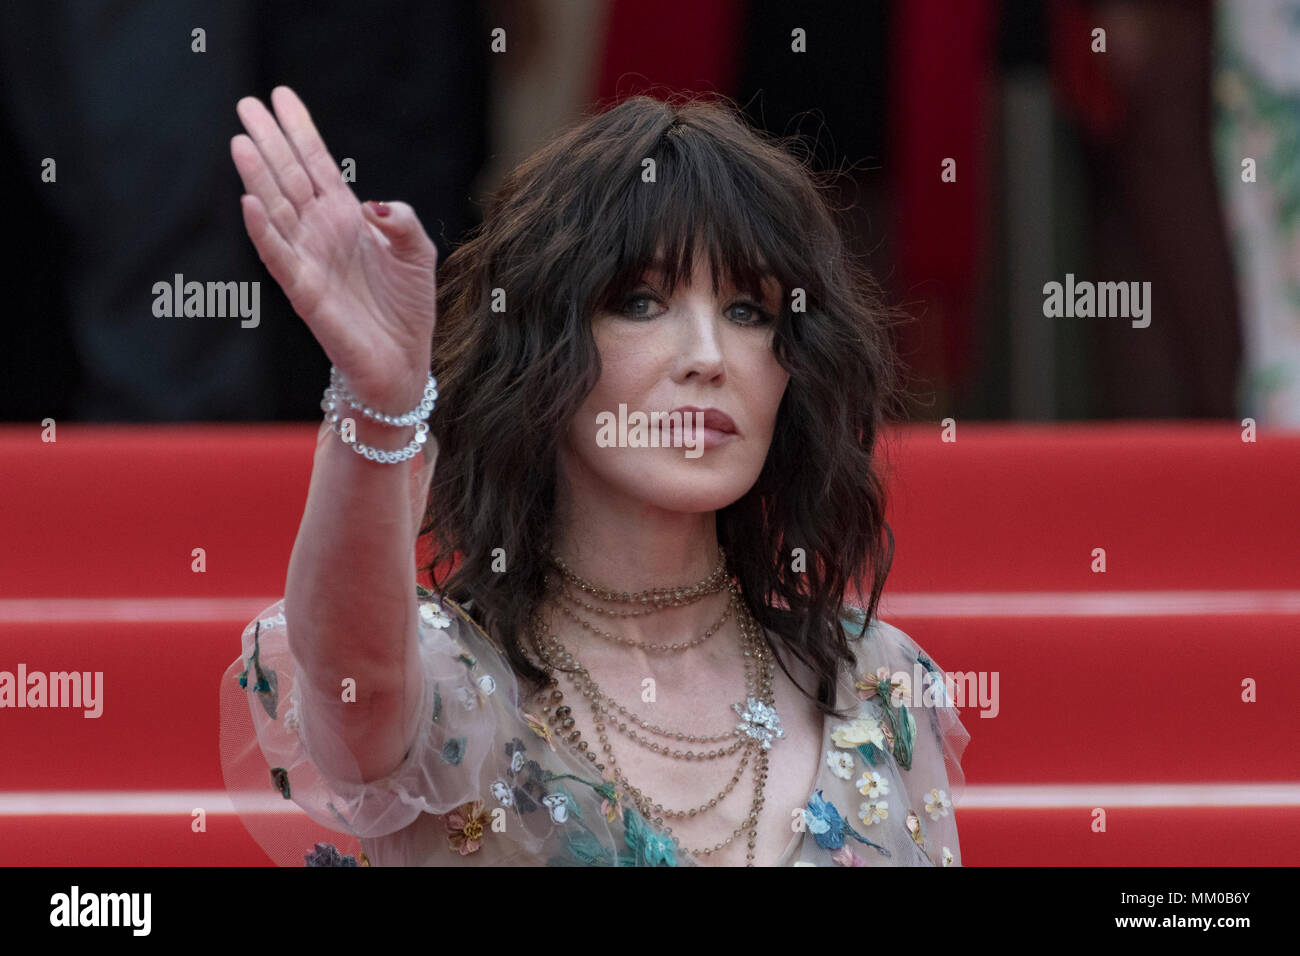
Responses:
[1118,690]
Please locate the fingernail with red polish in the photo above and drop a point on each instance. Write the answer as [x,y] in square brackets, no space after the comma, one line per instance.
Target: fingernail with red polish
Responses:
[381,209]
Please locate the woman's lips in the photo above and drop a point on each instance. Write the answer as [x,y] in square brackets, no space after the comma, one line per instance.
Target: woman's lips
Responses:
[718,428]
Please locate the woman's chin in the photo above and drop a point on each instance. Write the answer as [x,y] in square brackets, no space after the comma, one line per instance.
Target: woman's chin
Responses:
[680,487]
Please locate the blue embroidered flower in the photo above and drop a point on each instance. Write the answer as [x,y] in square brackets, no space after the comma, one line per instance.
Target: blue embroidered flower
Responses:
[824,822]
[327,854]
[829,828]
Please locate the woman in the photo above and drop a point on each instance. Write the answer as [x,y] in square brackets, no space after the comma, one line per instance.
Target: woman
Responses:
[637,651]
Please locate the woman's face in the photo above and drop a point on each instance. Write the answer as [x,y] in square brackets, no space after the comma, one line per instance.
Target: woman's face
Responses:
[660,354]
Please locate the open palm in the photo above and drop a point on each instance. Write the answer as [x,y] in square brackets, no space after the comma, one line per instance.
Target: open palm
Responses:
[364,283]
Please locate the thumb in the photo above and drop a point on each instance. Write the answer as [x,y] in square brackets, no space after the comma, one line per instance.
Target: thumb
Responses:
[399,223]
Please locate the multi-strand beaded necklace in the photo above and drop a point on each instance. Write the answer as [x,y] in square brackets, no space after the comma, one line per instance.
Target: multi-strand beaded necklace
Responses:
[753,736]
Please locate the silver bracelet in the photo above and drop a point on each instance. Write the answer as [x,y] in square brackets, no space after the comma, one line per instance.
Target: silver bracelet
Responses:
[338,394]
[419,413]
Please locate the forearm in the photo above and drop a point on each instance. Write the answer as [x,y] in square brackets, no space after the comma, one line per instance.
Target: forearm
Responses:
[350,602]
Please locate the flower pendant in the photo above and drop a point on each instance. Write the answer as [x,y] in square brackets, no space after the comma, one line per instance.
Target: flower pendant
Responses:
[760,721]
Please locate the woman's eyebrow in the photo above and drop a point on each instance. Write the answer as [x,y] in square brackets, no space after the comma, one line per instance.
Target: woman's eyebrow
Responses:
[771,287]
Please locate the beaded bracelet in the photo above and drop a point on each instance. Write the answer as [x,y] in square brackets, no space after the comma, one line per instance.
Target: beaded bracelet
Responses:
[338,393]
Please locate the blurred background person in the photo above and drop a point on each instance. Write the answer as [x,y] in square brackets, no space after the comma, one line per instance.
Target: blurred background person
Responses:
[121,99]
[1066,158]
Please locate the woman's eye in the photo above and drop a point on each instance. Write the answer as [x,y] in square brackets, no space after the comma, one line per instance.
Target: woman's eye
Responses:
[632,313]
[752,314]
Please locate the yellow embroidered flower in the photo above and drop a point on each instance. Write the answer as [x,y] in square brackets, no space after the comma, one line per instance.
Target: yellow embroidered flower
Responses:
[873,811]
[938,804]
[861,730]
[466,826]
[947,857]
[872,784]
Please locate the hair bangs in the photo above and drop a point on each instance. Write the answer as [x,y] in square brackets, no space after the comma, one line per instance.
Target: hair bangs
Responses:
[704,202]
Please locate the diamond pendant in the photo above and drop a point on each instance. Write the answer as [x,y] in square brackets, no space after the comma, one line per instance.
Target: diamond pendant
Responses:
[759,721]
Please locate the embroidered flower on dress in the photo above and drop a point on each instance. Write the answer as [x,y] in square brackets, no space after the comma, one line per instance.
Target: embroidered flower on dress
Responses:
[880,683]
[824,822]
[501,790]
[466,826]
[888,731]
[914,828]
[861,730]
[327,854]
[871,784]
[938,804]
[558,804]
[648,846]
[611,804]
[433,615]
[873,811]
[453,751]
[829,828]
[947,857]
[525,777]
[280,777]
[468,697]
[539,727]
[841,764]
[845,856]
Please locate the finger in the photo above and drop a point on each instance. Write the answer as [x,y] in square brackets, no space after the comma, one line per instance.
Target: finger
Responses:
[403,229]
[259,182]
[306,141]
[293,180]
[275,253]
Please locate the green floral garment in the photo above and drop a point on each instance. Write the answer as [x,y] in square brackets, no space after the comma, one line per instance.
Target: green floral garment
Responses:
[487,784]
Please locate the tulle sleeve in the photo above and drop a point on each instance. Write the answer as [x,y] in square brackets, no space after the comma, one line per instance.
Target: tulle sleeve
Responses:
[935,780]
[928,737]
[276,735]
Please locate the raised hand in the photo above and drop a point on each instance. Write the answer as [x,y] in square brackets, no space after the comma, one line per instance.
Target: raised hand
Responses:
[363,282]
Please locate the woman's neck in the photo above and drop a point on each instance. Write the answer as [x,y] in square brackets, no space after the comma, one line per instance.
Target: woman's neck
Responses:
[635,552]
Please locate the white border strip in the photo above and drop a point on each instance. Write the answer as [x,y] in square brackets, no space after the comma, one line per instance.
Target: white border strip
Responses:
[47,803]
[971,604]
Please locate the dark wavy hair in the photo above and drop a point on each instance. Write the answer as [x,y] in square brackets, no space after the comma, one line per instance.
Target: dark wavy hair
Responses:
[570,231]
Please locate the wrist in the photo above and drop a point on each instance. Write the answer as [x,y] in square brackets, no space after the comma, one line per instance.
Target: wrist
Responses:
[377,434]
